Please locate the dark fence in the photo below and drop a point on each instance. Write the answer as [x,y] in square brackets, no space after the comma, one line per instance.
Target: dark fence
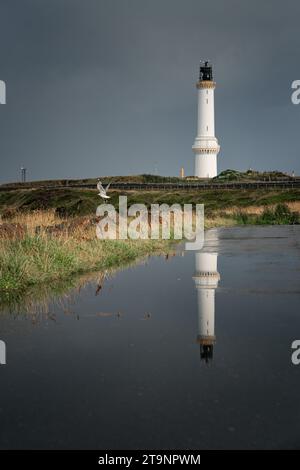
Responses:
[186,186]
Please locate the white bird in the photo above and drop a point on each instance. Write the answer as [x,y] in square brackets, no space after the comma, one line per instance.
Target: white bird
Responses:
[103,191]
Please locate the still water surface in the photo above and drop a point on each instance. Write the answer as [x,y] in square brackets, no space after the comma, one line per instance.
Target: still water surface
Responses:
[188,352]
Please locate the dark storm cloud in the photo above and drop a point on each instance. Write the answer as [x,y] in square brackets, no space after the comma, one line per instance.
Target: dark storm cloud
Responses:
[107,87]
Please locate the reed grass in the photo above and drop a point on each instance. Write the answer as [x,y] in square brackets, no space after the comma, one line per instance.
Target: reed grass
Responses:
[281,214]
[36,259]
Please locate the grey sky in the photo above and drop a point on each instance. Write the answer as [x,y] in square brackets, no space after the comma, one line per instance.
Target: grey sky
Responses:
[101,87]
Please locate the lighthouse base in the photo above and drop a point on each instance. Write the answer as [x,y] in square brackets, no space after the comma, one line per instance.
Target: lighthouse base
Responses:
[205,165]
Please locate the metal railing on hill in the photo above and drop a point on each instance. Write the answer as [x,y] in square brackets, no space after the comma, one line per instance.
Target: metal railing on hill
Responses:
[165,186]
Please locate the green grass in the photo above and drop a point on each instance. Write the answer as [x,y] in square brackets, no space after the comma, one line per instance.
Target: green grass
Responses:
[251,175]
[279,215]
[36,260]
[84,202]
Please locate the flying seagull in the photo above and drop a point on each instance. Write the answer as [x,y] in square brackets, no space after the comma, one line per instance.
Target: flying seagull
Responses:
[102,191]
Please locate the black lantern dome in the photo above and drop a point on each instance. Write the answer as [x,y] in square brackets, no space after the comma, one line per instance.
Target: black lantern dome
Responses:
[205,72]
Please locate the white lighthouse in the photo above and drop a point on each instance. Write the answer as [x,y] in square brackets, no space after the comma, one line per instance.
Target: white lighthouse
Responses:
[206,147]
[206,281]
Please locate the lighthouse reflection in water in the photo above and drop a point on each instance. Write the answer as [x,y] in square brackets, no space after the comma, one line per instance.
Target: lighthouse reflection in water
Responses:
[206,280]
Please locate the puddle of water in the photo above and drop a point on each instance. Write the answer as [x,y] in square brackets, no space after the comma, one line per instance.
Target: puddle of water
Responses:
[190,352]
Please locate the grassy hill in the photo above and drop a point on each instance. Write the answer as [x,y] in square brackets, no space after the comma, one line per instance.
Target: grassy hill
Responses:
[73,202]
[93,181]
[251,175]
[224,176]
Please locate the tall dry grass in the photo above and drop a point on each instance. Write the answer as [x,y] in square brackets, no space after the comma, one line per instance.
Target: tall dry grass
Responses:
[41,256]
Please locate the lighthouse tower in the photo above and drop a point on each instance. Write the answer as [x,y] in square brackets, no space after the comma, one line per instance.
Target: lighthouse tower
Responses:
[206,147]
[206,281]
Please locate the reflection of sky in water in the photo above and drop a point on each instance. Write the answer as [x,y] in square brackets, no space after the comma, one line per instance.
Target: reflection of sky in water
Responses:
[122,369]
